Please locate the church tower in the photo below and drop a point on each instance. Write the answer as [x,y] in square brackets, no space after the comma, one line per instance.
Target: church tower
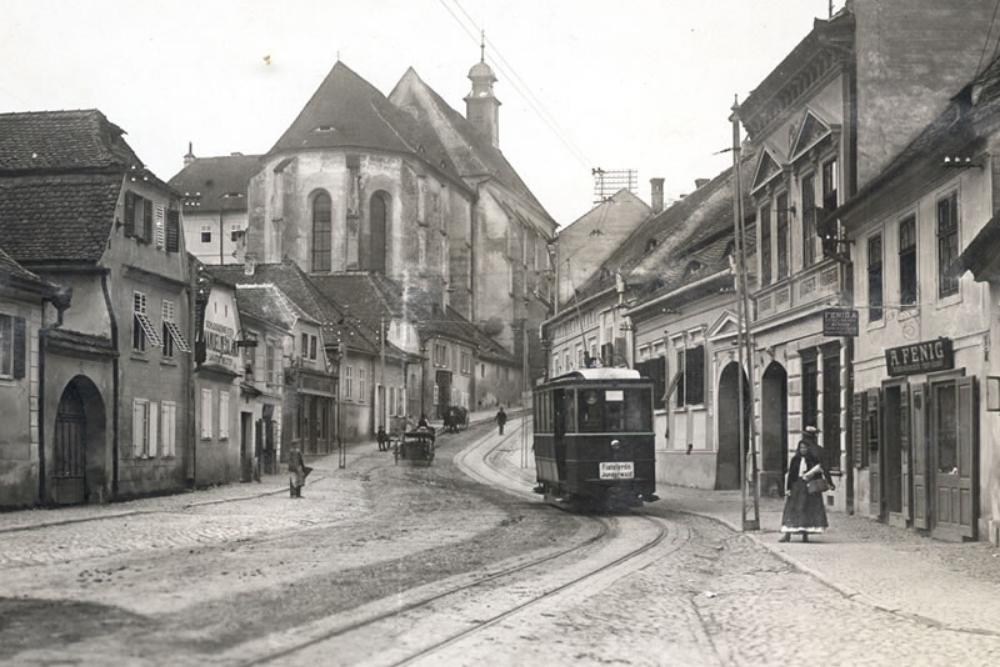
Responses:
[482,108]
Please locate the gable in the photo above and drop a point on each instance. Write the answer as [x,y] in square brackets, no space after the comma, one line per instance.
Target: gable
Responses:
[811,131]
[723,327]
[767,169]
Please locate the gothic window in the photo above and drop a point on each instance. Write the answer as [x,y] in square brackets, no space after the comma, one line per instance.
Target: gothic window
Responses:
[378,218]
[322,229]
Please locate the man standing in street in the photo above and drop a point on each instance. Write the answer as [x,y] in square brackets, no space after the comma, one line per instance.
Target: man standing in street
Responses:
[501,419]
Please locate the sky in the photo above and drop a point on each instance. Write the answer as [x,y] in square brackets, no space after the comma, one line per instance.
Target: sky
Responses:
[638,84]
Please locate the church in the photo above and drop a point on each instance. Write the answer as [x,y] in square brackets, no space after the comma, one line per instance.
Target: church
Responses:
[407,191]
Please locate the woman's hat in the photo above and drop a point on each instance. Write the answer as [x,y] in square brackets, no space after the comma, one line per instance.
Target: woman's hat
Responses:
[810,429]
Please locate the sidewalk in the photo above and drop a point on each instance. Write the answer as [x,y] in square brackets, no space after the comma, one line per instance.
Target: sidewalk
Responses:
[956,586]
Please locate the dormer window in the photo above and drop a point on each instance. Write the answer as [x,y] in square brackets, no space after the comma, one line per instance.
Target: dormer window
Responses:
[651,244]
[233,195]
[325,129]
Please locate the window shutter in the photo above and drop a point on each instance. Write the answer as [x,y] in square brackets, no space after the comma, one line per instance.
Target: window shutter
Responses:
[223,413]
[154,430]
[858,432]
[173,231]
[138,426]
[919,450]
[20,348]
[147,220]
[129,214]
[206,413]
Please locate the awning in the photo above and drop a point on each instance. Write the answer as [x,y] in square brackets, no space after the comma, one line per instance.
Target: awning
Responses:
[982,255]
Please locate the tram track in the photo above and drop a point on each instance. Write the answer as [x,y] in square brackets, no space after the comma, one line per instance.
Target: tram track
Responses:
[619,566]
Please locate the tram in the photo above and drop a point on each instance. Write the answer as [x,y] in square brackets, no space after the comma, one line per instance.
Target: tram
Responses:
[593,438]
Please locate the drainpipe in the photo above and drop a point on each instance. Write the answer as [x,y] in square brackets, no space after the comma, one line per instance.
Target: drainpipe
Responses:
[43,344]
[115,382]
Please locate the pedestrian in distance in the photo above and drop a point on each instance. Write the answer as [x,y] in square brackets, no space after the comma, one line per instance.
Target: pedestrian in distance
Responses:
[422,422]
[382,438]
[501,419]
[297,473]
[807,481]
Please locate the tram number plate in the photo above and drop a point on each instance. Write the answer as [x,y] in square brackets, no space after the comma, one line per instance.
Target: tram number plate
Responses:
[617,470]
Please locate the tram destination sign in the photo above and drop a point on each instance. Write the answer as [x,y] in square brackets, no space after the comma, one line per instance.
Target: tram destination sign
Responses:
[924,357]
[840,322]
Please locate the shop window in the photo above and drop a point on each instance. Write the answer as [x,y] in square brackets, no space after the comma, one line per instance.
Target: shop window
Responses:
[765,244]
[947,233]
[808,221]
[782,232]
[809,393]
[875,278]
[908,261]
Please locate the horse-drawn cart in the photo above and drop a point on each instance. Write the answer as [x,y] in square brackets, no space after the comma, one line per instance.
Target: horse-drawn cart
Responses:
[416,446]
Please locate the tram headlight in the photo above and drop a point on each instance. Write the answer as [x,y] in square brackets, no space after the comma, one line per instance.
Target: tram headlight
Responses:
[615,444]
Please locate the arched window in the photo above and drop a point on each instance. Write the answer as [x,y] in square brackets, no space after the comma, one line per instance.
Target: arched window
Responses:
[378,218]
[322,242]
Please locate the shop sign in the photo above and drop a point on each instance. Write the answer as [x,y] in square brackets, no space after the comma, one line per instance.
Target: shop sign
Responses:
[840,322]
[925,357]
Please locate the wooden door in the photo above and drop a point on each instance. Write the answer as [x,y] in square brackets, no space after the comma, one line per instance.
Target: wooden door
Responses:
[858,444]
[876,494]
[905,440]
[953,448]
[918,435]
[895,459]
[70,449]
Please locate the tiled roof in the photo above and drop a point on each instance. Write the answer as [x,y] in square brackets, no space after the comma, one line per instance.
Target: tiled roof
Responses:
[216,183]
[52,218]
[262,302]
[301,290]
[472,153]
[348,112]
[11,270]
[61,140]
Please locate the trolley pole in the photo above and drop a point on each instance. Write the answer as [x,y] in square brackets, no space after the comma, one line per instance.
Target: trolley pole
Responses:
[341,452]
[746,412]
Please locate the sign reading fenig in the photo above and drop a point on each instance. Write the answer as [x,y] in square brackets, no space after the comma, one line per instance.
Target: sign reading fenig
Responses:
[840,322]
[924,357]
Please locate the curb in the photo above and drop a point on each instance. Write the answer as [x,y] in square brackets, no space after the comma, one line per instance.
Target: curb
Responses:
[845,591]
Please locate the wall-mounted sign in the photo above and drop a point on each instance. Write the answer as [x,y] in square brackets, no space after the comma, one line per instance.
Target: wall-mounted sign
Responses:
[926,357]
[840,322]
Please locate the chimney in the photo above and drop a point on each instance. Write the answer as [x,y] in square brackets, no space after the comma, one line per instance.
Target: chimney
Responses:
[656,194]
[698,182]
[189,158]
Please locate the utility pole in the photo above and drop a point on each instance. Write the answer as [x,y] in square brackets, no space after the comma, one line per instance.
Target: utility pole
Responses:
[341,354]
[381,372]
[746,412]
[525,385]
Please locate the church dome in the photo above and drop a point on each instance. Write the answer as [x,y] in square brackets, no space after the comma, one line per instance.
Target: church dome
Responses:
[482,71]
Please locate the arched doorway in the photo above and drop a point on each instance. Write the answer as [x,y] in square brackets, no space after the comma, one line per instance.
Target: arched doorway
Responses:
[78,473]
[774,429]
[378,218]
[727,463]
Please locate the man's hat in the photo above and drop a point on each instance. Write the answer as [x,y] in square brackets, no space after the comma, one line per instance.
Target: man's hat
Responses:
[810,429]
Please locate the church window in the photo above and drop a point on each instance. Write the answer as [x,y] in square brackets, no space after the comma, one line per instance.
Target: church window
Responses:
[322,227]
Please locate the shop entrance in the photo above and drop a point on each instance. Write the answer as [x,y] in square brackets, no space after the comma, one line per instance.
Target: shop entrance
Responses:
[727,463]
[896,454]
[953,468]
[774,430]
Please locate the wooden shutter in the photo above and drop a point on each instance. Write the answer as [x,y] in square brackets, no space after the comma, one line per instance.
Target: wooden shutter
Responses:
[154,430]
[173,231]
[20,348]
[905,446]
[918,437]
[138,426]
[129,214]
[874,455]
[147,221]
[858,430]
[968,470]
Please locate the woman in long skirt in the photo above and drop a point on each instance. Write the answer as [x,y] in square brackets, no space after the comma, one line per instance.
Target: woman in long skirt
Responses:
[804,512]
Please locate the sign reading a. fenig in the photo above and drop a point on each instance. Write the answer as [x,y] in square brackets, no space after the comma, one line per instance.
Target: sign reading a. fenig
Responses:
[924,357]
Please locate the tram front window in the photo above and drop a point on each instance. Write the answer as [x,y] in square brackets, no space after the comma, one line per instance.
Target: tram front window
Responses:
[614,410]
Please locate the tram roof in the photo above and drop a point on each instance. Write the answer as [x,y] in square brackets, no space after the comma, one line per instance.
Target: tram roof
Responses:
[600,374]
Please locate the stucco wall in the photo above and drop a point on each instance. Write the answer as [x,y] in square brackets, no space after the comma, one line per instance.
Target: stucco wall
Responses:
[19,415]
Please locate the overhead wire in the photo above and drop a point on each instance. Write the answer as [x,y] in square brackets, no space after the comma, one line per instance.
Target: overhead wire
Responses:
[986,44]
[525,95]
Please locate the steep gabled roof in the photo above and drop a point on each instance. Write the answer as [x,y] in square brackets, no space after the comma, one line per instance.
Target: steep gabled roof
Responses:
[58,218]
[13,274]
[472,153]
[212,184]
[62,140]
[348,112]
[263,302]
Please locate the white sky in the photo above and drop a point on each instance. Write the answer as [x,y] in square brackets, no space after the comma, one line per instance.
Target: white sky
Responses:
[644,84]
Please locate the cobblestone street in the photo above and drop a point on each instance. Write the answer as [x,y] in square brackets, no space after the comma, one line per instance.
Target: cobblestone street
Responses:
[382,563]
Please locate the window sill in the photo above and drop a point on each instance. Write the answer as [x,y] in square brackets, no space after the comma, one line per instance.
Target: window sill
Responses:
[168,362]
[949,301]
[876,324]
[139,356]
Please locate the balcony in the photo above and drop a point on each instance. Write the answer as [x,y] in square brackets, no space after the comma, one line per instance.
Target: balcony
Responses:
[820,283]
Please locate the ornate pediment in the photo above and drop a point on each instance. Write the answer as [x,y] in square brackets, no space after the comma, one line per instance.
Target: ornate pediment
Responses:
[810,132]
[723,327]
[767,169]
